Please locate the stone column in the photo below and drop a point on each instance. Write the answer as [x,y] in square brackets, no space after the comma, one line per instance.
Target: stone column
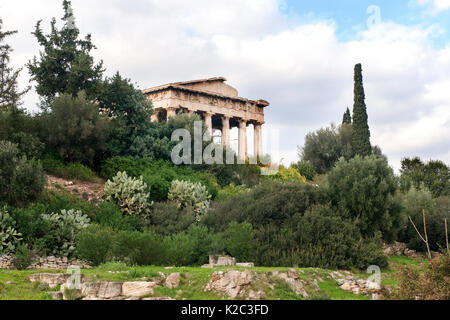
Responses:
[171,112]
[154,117]
[258,140]
[225,131]
[208,123]
[242,139]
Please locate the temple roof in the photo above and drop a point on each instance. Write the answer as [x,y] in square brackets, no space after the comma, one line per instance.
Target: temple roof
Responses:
[194,87]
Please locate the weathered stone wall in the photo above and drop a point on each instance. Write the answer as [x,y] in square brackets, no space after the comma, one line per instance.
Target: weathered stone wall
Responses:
[47,263]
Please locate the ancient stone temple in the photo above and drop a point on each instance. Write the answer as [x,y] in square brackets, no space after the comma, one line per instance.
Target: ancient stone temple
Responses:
[218,104]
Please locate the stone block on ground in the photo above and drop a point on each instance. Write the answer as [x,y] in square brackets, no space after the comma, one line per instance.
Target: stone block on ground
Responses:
[138,289]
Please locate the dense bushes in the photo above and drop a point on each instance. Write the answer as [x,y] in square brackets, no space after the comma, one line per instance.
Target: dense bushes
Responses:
[67,171]
[268,203]
[76,129]
[436,210]
[287,174]
[434,175]
[158,175]
[239,241]
[363,189]
[191,247]
[317,238]
[293,225]
[306,169]
[167,219]
[21,180]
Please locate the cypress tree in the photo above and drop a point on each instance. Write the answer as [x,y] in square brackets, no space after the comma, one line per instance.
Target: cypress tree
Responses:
[361,133]
[347,117]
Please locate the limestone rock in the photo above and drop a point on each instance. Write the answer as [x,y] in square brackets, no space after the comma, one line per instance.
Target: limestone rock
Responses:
[292,273]
[245,264]
[108,290]
[231,283]
[90,289]
[173,280]
[52,279]
[346,286]
[138,289]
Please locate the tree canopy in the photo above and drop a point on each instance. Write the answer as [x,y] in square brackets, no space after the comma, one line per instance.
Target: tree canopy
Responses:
[65,64]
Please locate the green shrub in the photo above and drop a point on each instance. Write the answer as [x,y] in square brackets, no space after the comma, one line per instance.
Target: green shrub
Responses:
[239,241]
[36,232]
[109,215]
[306,169]
[231,191]
[191,247]
[65,226]
[167,219]
[95,244]
[363,189]
[28,145]
[68,171]
[76,129]
[285,174]
[434,176]
[436,210]
[236,174]
[134,167]
[9,237]
[187,194]
[21,180]
[317,238]
[140,248]
[129,193]
[268,203]
[23,257]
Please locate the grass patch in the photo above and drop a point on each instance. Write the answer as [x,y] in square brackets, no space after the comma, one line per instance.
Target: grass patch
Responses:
[194,279]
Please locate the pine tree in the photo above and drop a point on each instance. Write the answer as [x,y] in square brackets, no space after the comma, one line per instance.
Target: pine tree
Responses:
[9,92]
[361,134]
[65,64]
[347,117]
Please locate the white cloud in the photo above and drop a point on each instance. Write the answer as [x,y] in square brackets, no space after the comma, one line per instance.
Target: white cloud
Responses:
[301,68]
[437,6]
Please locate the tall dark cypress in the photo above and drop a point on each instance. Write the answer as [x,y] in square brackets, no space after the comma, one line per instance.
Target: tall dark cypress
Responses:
[361,133]
[347,117]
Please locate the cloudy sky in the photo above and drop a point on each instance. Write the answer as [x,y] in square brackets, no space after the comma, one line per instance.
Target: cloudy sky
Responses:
[298,55]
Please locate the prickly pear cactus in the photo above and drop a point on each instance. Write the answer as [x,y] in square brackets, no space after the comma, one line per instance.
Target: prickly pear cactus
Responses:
[129,193]
[66,225]
[9,237]
[188,194]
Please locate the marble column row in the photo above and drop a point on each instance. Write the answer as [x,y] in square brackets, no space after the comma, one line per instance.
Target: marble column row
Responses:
[242,144]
